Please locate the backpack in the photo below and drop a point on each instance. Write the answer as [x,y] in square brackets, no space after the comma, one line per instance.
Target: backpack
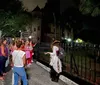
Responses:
[61,53]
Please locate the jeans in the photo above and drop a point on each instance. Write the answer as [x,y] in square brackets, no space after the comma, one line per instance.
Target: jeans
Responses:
[19,71]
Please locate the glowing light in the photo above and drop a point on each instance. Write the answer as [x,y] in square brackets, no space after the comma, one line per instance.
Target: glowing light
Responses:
[12,38]
[30,37]
[79,41]
[69,39]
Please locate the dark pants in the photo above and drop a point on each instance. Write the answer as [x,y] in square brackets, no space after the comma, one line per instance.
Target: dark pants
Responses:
[54,75]
[2,65]
[4,68]
[36,55]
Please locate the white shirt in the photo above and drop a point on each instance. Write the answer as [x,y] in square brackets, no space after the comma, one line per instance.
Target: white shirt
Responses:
[17,56]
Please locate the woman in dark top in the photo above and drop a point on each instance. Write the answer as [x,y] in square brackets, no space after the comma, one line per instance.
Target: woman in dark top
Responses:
[3,57]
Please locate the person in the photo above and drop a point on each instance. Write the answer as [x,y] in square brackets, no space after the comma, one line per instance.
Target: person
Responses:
[12,48]
[1,64]
[36,51]
[31,51]
[3,57]
[55,62]
[19,62]
[27,52]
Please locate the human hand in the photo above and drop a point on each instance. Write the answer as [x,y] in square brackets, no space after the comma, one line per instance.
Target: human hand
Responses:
[47,53]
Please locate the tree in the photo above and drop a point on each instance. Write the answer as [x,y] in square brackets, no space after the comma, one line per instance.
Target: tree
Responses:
[14,22]
[90,7]
[13,18]
[71,20]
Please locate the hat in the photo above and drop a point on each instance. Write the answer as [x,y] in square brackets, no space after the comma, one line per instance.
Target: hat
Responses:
[56,41]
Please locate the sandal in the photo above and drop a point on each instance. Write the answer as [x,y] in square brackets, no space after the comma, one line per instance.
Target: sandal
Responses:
[4,74]
[1,78]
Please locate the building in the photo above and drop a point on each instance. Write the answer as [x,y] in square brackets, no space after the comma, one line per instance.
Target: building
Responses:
[33,30]
[0,33]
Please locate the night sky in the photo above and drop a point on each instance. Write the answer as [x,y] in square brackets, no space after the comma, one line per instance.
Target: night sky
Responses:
[31,4]
[88,27]
[64,4]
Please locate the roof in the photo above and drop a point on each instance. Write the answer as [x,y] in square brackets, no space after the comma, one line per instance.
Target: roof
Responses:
[36,9]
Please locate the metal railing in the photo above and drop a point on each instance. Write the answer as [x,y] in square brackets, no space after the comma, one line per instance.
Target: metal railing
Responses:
[80,61]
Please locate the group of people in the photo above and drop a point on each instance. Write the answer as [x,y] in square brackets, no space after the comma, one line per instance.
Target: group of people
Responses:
[20,55]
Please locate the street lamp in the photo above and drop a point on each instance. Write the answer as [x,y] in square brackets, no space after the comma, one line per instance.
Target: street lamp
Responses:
[20,34]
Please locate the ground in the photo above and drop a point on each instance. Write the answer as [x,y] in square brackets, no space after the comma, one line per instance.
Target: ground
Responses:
[36,76]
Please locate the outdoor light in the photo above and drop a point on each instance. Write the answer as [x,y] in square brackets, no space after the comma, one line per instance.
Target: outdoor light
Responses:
[12,38]
[65,38]
[19,30]
[69,39]
[78,41]
[30,37]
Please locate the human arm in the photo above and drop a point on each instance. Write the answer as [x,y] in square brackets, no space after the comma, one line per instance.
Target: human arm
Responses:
[24,60]
[54,51]
[47,53]
[2,50]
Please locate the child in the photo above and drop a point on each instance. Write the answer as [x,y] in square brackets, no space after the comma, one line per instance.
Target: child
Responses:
[19,61]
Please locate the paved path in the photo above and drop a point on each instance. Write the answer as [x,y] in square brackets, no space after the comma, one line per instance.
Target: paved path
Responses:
[36,76]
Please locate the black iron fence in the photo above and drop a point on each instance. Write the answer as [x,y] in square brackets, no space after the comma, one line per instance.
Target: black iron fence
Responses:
[81,61]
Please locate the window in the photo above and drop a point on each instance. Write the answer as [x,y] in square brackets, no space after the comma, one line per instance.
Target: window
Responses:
[38,27]
[34,29]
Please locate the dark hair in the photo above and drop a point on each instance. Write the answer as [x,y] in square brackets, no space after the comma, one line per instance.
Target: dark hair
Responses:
[2,40]
[18,44]
[13,42]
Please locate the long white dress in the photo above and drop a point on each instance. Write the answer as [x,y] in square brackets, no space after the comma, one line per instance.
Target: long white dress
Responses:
[55,62]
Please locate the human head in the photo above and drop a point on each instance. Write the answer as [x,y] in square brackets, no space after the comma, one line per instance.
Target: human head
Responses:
[27,42]
[3,41]
[18,44]
[14,43]
[55,43]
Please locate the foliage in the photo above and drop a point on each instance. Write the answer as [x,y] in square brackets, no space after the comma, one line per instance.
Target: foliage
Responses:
[12,23]
[90,7]
[13,18]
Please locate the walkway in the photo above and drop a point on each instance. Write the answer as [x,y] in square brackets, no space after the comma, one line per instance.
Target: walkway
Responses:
[36,75]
